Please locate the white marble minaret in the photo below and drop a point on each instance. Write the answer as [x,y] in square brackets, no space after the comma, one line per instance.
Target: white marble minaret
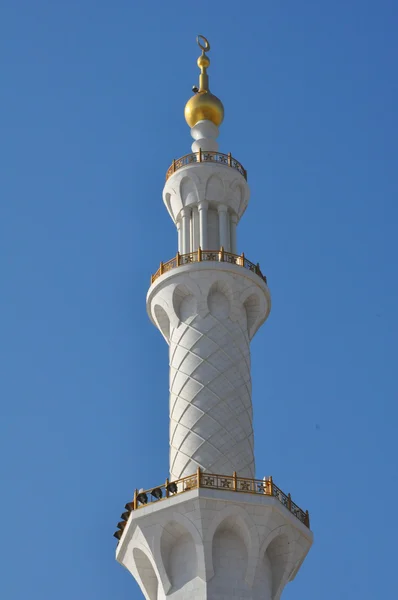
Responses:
[211,530]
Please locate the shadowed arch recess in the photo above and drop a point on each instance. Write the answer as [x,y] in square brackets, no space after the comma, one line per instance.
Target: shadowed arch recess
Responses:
[147,575]
[178,552]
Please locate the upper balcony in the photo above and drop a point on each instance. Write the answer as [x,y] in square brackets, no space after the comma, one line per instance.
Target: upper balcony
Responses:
[208,157]
[208,255]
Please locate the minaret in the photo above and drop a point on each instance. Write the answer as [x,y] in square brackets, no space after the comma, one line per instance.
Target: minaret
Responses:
[211,530]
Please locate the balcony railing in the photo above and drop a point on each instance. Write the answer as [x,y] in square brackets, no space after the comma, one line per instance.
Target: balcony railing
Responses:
[208,255]
[202,156]
[232,483]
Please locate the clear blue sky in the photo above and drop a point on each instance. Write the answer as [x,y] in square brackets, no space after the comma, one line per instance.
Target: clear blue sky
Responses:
[91,115]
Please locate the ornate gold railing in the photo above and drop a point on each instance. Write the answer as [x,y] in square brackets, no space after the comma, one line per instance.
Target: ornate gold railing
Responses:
[206,255]
[232,483]
[202,156]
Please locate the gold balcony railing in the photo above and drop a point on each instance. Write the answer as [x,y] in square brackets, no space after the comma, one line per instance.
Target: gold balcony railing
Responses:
[202,156]
[208,255]
[231,483]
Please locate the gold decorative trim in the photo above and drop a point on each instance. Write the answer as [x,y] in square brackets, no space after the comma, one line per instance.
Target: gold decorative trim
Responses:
[202,156]
[232,483]
[200,255]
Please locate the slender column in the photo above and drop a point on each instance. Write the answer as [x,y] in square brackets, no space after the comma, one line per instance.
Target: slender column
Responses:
[223,227]
[203,224]
[191,232]
[233,224]
[195,228]
[179,236]
[229,232]
[186,229]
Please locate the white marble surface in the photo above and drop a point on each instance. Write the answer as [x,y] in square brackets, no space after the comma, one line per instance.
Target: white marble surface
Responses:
[208,314]
[215,545]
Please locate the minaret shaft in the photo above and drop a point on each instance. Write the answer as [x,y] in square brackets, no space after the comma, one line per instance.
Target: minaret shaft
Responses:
[210,383]
[210,392]
[208,311]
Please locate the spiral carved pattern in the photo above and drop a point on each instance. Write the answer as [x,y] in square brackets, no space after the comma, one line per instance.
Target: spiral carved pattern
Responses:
[210,394]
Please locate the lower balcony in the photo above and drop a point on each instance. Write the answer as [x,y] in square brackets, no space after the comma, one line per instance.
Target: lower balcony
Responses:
[231,483]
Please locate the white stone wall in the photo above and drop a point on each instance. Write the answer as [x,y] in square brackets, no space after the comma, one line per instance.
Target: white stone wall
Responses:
[215,545]
[210,392]
[208,313]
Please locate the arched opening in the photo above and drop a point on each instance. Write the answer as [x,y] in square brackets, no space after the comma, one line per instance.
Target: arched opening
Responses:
[188,191]
[278,553]
[240,196]
[230,550]
[219,300]
[163,321]
[184,303]
[215,189]
[178,552]
[149,581]
[253,310]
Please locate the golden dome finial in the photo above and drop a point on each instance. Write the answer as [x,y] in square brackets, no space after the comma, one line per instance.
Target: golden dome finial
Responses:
[203,105]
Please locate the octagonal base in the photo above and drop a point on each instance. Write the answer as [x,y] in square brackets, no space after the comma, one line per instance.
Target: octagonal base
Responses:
[212,544]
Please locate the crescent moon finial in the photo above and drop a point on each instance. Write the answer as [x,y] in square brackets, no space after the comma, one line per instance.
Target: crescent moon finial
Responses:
[203,62]
[200,39]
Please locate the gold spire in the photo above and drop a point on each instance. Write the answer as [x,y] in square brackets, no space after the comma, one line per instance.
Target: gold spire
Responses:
[203,105]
